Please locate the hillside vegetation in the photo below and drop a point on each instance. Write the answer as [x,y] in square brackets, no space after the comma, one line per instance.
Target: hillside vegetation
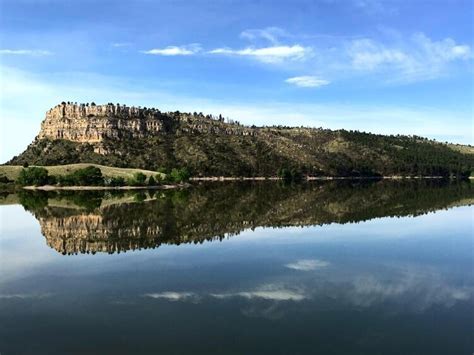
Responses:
[13,171]
[211,147]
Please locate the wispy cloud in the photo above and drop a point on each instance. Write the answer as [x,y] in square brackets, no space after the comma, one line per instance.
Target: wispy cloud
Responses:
[31,52]
[307,265]
[389,56]
[307,81]
[121,44]
[270,34]
[175,50]
[271,54]
[415,58]
[376,7]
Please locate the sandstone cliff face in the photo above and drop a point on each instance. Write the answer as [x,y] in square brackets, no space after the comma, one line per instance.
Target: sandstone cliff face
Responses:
[90,123]
[86,123]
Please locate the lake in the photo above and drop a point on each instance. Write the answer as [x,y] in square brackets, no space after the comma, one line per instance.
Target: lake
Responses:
[338,267]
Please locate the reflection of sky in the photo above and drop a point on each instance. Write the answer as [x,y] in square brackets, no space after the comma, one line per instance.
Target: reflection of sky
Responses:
[401,246]
[389,266]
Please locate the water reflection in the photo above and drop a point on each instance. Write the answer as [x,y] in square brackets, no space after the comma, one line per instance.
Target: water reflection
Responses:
[91,222]
[337,286]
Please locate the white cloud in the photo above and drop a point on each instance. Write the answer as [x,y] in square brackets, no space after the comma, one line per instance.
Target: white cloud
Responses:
[121,44]
[172,296]
[307,265]
[307,81]
[175,50]
[415,58]
[31,52]
[272,54]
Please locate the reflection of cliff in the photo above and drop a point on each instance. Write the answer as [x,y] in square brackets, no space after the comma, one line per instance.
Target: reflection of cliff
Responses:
[210,212]
[90,233]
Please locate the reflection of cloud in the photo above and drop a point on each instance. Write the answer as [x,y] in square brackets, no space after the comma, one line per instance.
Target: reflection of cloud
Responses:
[272,311]
[268,301]
[418,291]
[268,292]
[173,296]
[24,296]
[307,264]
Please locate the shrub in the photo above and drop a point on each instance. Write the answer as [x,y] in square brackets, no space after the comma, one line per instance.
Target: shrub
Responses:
[34,176]
[65,180]
[180,175]
[151,181]
[4,179]
[292,175]
[138,179]
[115,181]
[88,176]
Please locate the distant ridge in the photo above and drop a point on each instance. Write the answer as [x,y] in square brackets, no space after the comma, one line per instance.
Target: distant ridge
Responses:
[146,138]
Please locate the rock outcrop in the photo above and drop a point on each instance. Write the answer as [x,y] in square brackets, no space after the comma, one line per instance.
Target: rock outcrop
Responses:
[91,123]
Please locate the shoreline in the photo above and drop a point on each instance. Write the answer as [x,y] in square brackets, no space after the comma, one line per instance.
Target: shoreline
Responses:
[313,178]
[230,178]
[100,188]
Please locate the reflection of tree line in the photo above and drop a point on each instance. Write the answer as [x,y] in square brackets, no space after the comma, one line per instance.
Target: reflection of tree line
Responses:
[83,222]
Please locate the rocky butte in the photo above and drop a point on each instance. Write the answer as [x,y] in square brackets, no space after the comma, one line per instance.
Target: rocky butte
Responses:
[93,123]
[141,137]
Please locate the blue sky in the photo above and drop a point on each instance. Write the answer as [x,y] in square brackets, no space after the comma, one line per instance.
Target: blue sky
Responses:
[380,66]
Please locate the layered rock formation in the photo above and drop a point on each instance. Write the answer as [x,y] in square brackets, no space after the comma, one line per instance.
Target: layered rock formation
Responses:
[90,123]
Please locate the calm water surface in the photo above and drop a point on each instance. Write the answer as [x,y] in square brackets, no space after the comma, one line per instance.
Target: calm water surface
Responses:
[322,268]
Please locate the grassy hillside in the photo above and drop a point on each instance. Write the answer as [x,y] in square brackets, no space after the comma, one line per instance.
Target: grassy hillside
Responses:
[466,149]
[12,171]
